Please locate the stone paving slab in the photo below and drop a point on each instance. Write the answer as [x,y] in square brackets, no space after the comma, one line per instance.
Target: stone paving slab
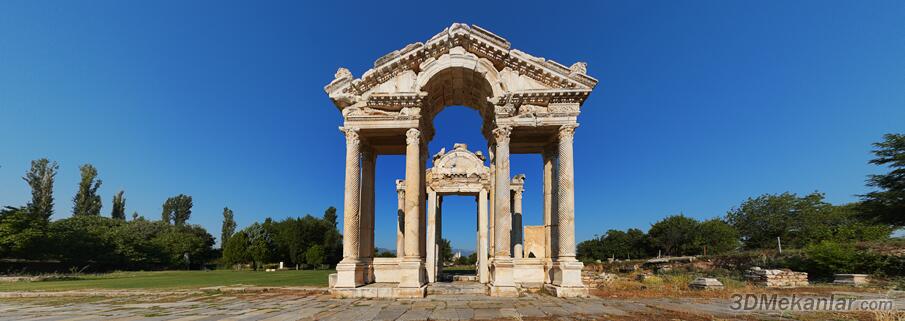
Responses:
[286,307]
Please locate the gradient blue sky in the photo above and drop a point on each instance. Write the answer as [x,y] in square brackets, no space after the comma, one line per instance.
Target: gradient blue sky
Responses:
[700,105]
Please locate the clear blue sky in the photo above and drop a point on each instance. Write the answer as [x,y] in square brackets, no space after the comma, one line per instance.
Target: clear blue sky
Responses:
[700,105]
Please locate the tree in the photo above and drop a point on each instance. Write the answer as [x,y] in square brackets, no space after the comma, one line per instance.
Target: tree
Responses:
[445,253]
[119,207]
[800,221]
[235,251]
[630,244]
[887,204]
[177,209]
[675,235]
[180,243]
[260,244]
[40,178]
[86,201]
[229,226]
[718,236]
[330,216]
[21,233]
[315,256]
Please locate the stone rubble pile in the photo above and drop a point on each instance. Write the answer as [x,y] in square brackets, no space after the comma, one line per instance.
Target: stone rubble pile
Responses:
[776,278]
[593,279]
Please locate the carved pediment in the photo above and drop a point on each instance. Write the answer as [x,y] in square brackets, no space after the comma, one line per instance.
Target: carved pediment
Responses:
[509,71]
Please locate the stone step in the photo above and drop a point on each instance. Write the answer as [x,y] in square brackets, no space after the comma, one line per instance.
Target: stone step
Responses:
[456,288]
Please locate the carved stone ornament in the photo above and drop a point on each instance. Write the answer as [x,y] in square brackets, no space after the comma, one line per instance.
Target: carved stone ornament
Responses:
[412,136]
[342,73]
[501,134]
[352,136]
[567,131]
[580,68]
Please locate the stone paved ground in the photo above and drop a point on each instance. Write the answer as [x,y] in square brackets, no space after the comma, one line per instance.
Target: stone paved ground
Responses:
[287,306]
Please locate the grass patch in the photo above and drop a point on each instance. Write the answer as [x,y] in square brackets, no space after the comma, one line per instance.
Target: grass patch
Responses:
[176,280]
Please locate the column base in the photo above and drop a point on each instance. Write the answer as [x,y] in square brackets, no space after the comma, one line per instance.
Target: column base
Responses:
[350,274]
[369,269]
[503,283]
[567,292]
[548,271]
[567,273]
[411,273]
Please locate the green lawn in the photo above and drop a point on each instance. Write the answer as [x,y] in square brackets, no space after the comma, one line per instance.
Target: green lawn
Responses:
[170,280]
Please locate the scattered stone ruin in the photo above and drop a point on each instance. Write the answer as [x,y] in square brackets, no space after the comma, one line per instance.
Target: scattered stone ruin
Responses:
[776,278]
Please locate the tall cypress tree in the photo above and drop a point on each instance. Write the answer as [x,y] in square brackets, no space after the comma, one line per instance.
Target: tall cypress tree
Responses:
[229,226]
[177,209]
[40,178]
[86,201]
[119,207]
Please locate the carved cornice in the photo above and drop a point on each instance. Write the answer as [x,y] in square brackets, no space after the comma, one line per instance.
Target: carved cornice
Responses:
[545,97]
[346,91]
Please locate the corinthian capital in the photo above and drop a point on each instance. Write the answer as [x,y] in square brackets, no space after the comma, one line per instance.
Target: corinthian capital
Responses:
[567,131]
[501,134]
[352,136]
[413,136]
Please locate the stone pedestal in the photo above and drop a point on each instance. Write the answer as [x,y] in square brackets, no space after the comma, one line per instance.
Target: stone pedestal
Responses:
[350,274]
[567,280]
[503,282]
[411,274]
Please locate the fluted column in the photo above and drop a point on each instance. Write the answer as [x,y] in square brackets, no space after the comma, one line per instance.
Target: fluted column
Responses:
[400,218]
[368,160]
[411,268]
[483,276]
[503,214]
[566,195]
[492,197]
[352,197]
[517,230]
[412,194]
[503,283]
[351,272]
[432,249]
[548,214]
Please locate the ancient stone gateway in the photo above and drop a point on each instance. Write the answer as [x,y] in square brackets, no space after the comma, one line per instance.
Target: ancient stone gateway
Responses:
[528,105]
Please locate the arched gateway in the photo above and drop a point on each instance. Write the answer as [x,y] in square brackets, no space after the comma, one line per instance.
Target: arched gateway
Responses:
[528,105]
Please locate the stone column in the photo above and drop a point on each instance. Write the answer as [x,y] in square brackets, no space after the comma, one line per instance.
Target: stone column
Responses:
[422,206]
[400,219]
[368,163]
[567,275]
[548,214]
[432,249]
[350,271]
[439,231]
[483,271]
[517,229]
[411,265]
[503,284]
[491,210]
[566,195]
